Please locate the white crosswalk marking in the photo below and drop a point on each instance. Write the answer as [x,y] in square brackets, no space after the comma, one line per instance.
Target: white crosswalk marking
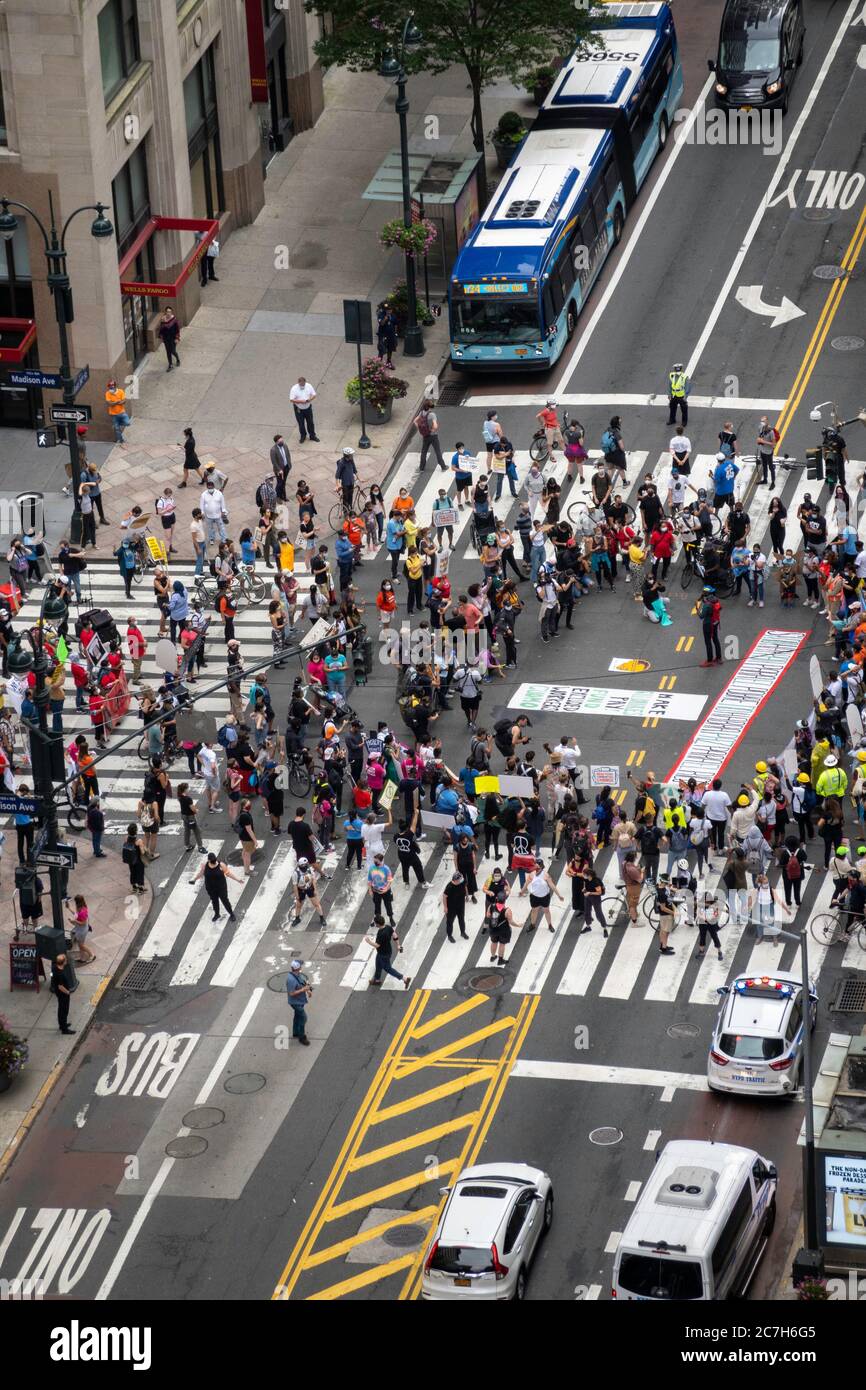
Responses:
[453,956]
[204,940]
[415,939]
[544,944]
[668,974]
[767,955]
[588,950]
[272,893]
[174,912]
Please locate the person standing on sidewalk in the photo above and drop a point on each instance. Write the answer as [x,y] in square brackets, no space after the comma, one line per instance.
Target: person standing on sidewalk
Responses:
[81,926]
[132,854]
[63,983]
[96,826]
[302,396]
[386,938]
[427,426]
[191,463]
[115,399]
[298,991]
[281,463]
[93,476]
[88,519]
[169,332]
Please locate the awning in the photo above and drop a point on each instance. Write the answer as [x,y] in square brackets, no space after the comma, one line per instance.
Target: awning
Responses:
[208,226]
[22,329]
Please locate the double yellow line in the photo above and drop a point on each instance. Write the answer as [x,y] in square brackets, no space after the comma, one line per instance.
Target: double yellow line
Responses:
[822,328]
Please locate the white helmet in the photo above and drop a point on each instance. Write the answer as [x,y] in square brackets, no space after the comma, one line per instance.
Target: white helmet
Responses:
[551,402]
[347,449]
[303,863]
[683,866]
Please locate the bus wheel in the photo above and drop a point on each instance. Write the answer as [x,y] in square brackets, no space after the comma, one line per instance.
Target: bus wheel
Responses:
[663,132]
[617,225]
[570,321]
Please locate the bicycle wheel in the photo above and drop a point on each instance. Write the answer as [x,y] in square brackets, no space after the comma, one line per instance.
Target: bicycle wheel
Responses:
[614,911]
[825,929]
[299,779]
[716,910]
[725,587]
[254,588]
[650,911]
[76,817]
[359,499]
[861,938]
[138,572]
[336,517]
[715,524]
[687,575]
[538,450]
[575,512]
[142,749]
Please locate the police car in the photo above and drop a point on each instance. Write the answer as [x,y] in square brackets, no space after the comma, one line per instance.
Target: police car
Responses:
[758,1039]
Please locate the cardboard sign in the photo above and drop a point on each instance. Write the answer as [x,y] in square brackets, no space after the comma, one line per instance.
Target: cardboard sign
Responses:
[486,784]
[603,775]
[497,463]
[516,786]
[441,565]
[815,676]
[389,791]
[628,665]
[436,821]
[445,516]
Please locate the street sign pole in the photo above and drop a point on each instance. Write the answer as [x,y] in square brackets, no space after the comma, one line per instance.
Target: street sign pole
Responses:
[358,323]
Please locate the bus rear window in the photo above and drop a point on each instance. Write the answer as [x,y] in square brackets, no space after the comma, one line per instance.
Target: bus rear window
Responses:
[648,1276]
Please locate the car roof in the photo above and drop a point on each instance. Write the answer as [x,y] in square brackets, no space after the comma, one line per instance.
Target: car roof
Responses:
[760,1013]
[474,1216]
[726,1165]
[756,14]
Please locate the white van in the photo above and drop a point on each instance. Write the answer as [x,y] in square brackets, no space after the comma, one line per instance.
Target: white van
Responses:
[700,1224]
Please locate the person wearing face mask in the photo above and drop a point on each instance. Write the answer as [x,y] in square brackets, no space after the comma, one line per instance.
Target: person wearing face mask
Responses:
[765,446]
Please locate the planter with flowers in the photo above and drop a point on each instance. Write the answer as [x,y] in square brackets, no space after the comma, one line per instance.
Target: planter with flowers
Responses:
[509,133]
[398,300]
[13,1054]
[413,241]
[381,389]
[812,1289]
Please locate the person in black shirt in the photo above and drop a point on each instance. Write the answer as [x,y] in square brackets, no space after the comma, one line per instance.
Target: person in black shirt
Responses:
[666,912]
[301,835]
[62,984]
[354,740]
[188,813]
[593,888]
[616,511]
[454,905]
[650,509]
[386,938]
[407,852]
[649,838]
[737,524]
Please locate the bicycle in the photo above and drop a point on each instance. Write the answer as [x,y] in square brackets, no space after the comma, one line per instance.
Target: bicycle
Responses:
[340,512]
[76,807]
[300,780]
[250,585]
[539,449]
[576,511]
[145,560]
[170,751]
[723,583]
[828,929]
[614,906]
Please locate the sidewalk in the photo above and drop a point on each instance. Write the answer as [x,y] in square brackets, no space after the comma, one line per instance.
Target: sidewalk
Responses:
[259,328]
[116,916]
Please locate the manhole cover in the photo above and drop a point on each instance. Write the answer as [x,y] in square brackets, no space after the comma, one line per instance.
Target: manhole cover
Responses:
[204,1117]
[818,214]
[486,982]
[278,982]
[847,343]
[339,951]
[405,1237]
[683,1030]
[187,1146]
[244,1083]
[850,997]
[141,975]
[605,1135]
[829,272]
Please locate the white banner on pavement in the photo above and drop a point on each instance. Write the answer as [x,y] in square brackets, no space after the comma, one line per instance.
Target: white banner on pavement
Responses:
[581,699]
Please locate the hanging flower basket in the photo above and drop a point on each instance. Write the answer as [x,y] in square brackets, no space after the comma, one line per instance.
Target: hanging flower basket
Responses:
[381,386]
[412,241]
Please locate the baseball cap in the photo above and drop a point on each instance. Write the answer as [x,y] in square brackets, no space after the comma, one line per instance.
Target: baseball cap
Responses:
[296,964]
[303,863]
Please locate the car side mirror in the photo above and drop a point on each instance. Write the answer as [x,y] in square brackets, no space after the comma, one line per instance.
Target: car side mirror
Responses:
[443,1191]
[772,1171]
[721,989]
[711,65]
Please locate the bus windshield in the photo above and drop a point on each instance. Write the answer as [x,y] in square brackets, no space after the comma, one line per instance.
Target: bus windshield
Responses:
[742,52]
[496,321]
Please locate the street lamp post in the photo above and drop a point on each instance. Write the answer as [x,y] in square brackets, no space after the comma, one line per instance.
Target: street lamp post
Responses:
[392,66]
[58,283]
[45,747]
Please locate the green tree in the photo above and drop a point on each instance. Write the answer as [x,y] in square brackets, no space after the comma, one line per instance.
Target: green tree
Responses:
[492,39]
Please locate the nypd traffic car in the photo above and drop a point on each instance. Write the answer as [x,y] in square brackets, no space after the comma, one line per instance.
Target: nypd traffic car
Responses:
[757,1043]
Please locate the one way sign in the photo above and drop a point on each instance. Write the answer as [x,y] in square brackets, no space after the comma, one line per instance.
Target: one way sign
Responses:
[46,439]
[70,414]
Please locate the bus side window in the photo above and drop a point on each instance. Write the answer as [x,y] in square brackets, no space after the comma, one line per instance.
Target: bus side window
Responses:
[566,269]
[553,300]
[599,206]
[611,179]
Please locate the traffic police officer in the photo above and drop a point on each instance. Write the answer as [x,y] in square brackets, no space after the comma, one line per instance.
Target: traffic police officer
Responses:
[678,393]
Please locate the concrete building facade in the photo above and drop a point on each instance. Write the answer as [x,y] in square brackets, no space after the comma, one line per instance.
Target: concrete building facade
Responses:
[159,109]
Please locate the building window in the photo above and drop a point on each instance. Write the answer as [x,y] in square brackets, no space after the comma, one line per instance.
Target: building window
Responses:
[16,291]
[203,139]
[131,199]
[118,44]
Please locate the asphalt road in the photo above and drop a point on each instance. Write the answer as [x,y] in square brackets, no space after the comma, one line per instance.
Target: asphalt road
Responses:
[232,1165]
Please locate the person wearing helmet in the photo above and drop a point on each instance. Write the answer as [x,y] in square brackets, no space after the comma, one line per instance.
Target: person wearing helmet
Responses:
[759,781]
[724,479]
[710,613]
[841,868]
[802,804]
[833,781]
[549,422]
[678,391]
[346,475]
[742,816]
[304,885]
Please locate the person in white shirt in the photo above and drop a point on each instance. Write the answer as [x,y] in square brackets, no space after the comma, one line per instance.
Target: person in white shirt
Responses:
[302,396]
[207,761]
[534,485]
[373,836]
[717,805]
[213,507]
[681,450]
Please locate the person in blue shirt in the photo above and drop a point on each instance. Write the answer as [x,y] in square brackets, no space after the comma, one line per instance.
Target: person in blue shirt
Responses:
[248,548]
[394,537]
[724,477]
[24,823]
[447,799]
[354,828]
[335,669]
[467,776]
[345,553]
[740,557]
[462,471]
[178,608]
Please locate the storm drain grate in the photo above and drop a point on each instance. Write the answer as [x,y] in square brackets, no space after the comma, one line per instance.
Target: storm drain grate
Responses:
[829,272]
[141,975]
[850,998]
[848,343]
[818,214]
[451,392]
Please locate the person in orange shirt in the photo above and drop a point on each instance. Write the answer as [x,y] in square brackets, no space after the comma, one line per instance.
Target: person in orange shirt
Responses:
[353,526]
[386,602]
[549,421]
[403,502]
[115,399]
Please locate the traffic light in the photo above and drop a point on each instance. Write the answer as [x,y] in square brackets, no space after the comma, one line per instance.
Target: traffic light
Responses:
[359,664]
[367,648]
[814,465]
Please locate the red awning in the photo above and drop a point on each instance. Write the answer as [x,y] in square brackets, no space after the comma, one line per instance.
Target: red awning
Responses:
[26,328]
[208,226]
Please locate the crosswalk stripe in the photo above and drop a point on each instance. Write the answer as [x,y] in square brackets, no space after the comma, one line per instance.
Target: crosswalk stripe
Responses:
[272,893]
[452,957]
[545,945]
[415,941]
[173,913]
[669,971]
[204,940]
[767,956]
[588,950]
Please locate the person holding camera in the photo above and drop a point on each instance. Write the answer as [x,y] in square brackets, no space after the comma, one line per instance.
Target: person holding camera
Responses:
[298,991]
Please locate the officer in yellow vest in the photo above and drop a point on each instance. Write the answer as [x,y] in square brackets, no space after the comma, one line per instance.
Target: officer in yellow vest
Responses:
[678,394]
[833,780]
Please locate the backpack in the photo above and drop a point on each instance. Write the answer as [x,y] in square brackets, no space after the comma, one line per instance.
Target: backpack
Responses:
[478,757]
[423,423]
[223,738]
[776,435]
[753,861]
[793,868]
[129,853]
[608,442]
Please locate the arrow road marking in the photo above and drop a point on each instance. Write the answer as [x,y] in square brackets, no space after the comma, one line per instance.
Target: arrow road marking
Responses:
[751,298]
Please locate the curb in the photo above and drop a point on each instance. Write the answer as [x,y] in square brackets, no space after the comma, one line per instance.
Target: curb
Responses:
[10,1153]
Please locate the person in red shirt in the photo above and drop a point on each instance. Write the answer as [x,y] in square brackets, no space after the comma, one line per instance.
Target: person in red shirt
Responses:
[137,647]
[662,547]
[81,681]
[97,716]
[549,421]
[362,797]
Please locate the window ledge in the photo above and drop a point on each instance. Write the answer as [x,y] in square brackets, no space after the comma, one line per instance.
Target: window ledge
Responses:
[184,9]
[124,93]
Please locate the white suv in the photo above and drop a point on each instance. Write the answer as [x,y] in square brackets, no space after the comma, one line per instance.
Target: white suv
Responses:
[757,1045]
[488,1232]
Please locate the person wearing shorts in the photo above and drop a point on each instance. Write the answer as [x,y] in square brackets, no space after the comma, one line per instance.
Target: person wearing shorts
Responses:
[304,883]
[541,886]
[165,507]
[500,931]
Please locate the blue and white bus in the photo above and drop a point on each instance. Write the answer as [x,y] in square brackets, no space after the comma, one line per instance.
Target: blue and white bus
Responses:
[527,268]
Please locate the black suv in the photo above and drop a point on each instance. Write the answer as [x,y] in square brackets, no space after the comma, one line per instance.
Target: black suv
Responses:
[760,49]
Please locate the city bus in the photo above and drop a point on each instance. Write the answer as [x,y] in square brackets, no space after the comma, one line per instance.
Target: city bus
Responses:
[528,266]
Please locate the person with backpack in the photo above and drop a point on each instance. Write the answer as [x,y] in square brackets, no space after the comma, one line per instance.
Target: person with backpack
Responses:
[132,854]
[710,614]
[427,426]
[467,682]
[613,448]
[792,860]
[757,852]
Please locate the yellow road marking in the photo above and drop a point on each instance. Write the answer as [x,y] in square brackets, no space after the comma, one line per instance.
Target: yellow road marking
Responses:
[342,1247]
[663,682]
[645,724]
[681,641]
[640,757]
[414,1141]
[100,990]
[418,1063]
[631,757]
[362,1281]
[822,328]
[448,1088]
[655,723]
[672,680]
[377,1195]
[690,642]
[441,1020]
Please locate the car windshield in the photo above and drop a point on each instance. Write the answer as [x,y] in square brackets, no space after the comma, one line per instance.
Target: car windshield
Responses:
[652,1277]
[496,321]
[741,52]
[462,1259]
[748,1048]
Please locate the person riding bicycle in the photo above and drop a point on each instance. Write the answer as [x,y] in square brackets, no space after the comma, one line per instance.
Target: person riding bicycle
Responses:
[346,475]
[855,903]
[705,513]
[689,527]
[714,563]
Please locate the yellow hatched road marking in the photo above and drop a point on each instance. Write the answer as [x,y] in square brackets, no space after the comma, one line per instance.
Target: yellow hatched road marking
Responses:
[449,1016]
[631,757]
[646,723]
[681,641]
[362,1281]
[377,1195]
[690,642]
[655,723]
[672,680]
[418,1063]
[422,1136]
[640,757]
[448,1088]
[343,1247]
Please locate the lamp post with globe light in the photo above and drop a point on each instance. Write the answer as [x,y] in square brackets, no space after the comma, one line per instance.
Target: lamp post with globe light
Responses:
[27,655]
[58,283]
[392,68]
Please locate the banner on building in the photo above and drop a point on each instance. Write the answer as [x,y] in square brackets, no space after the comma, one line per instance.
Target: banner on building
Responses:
[256,50]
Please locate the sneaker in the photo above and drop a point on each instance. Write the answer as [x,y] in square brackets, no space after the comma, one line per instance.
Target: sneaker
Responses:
[751,603]
[667,951]
[807,603]
[305,1042]
[760,603]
